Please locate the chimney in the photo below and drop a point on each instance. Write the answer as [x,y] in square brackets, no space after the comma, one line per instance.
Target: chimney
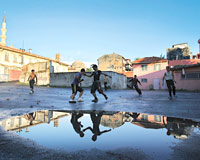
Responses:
[30,50]
[57,57]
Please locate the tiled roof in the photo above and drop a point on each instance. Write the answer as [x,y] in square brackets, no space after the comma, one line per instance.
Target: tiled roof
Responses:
[183,62]
[128,73]
[178,67]
[149,60]
[30,54]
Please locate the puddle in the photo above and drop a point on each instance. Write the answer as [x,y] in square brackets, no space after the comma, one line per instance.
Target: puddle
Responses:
[85,130]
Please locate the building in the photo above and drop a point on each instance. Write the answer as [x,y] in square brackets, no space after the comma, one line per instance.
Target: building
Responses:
[12,60]
[179,52]
[77,66]
[150,71]
[187,77]
[116,63]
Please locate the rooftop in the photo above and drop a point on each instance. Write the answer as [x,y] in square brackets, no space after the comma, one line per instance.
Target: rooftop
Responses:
[183,62]
[30,54]
[149,60]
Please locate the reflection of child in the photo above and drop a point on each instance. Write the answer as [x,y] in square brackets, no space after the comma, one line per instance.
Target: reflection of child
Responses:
[96,119]
[31,80]
[30,117]
[76,124]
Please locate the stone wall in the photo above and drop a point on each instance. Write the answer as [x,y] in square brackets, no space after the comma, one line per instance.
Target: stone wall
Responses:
[65,79]
[111,62]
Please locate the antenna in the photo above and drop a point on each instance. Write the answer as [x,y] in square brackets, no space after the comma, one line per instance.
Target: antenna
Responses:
[23,45]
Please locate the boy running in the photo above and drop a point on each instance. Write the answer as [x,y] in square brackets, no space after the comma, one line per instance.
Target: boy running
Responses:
[75,86]
[169,77]
[31,80]
[135,82]
[96,83]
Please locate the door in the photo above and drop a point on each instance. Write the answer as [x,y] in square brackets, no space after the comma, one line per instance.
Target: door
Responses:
[156,83]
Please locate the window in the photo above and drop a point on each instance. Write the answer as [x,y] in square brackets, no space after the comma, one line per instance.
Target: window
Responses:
[15,59]
[194,75]
[7,56]
[144,117]
[157,118]
[156,67]
[22,59]
[144,67]
[12,123]
[144,80]
[5,70]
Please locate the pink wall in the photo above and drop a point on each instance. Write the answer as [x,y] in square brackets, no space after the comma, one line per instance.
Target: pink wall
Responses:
[187,84]
[150,75]
[14,75]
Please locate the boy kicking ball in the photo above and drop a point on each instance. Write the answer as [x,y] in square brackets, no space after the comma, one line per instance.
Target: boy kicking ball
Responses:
[96,83]
[76,87]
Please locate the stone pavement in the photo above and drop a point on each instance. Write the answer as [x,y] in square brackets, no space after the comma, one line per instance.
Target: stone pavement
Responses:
[16,100]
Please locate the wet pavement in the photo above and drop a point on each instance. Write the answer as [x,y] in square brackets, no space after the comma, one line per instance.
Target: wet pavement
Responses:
[150,127]
[17,98]
[104,130]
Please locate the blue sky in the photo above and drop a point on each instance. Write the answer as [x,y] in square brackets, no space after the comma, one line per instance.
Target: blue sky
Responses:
[87,29]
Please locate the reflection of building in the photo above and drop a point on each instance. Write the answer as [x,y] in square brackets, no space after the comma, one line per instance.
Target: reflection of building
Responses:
[12,59]
[150,71]
[113,121]
[151,121]
[32,119]
[179,51]
[116,63]
[180,128]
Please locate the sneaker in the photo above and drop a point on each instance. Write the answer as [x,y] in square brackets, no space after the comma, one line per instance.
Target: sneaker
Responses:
[175,96]
[170,97]
[106,97]
[72,101]
[80,100]
[95,100]
[31,92]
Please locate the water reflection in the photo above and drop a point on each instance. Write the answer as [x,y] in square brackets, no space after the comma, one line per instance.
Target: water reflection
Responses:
[77,125]
[96,119]
[177,127]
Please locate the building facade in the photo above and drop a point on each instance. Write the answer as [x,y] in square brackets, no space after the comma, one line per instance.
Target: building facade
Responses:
[187,77]
[116,63]
[12,60]
[179,52]
[150,71]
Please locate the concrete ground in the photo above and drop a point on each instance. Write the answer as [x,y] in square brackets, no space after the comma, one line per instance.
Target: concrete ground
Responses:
[16,100]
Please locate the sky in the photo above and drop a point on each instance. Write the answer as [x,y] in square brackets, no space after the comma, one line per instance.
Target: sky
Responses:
[87,29]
